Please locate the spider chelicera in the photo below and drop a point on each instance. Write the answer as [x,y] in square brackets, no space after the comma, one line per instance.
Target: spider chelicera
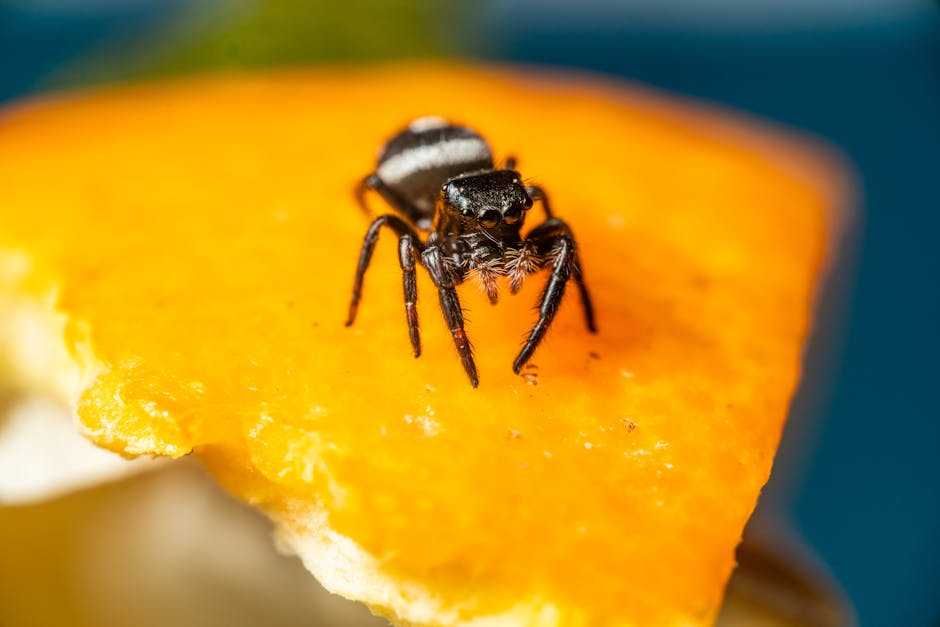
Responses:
[440,179]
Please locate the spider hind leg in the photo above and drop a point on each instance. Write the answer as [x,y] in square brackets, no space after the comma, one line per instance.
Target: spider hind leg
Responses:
[396,200]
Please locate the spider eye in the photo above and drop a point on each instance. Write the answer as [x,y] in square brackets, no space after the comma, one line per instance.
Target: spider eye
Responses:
[466,212]
[513,213]
[489,218]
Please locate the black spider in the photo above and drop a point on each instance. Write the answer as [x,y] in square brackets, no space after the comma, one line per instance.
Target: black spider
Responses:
[441,180]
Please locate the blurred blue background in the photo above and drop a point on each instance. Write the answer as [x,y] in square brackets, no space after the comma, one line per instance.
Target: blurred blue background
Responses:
[862,74]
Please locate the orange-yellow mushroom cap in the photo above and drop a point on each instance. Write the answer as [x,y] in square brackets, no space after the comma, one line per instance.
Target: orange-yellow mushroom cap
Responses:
[196,242]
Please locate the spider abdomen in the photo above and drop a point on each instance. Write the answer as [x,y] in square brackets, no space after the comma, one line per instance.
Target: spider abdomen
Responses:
[415,163]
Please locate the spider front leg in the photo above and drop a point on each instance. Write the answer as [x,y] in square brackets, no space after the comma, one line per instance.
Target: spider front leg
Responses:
[408,244]
[554,238]
[406,258]
[433,260]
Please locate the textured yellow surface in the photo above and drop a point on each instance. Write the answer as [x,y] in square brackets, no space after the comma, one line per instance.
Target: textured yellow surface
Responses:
[199,240]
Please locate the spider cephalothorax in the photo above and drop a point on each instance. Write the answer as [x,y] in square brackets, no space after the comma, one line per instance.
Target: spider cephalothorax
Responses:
[441,180]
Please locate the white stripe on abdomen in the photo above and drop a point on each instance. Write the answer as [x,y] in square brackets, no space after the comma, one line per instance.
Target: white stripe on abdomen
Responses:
[448,153]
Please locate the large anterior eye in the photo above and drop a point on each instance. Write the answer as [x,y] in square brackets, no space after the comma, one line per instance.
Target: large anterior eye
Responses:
[513,213]
[489,218]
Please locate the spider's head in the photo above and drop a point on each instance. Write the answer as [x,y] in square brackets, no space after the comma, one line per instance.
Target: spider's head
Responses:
[488,199]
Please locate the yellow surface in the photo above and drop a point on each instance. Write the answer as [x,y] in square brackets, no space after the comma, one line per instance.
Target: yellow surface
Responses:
[200,239]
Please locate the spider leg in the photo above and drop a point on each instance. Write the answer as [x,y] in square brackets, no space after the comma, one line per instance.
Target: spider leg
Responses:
[537,193]
[408,244]
[393,198]
[367,183]
[542,236]
[406,257]
[550,300]
[554,236]
[585,298]
[450,307]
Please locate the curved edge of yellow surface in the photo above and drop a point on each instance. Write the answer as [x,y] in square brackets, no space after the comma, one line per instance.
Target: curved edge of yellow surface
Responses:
[44,350]
[39,341]
[46,365]
[344,568]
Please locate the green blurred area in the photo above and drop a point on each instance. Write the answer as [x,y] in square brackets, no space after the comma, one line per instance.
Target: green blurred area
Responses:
[231,34]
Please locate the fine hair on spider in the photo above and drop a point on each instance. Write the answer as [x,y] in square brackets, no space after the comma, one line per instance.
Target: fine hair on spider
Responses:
[441,182]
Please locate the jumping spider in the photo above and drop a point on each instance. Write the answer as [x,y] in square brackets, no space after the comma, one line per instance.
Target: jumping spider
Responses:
[440,179]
